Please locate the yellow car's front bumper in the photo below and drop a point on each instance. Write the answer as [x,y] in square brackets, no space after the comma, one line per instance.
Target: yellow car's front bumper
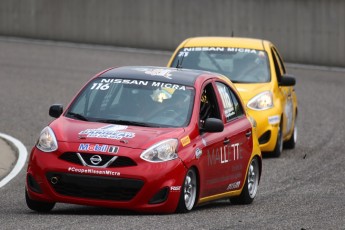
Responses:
[267,127]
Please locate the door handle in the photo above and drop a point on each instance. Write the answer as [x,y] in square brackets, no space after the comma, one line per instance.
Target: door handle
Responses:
[226,141]
[248,133]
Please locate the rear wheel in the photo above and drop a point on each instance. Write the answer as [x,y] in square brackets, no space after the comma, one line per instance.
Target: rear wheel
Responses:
[188,193]
[251,185]
[38,206]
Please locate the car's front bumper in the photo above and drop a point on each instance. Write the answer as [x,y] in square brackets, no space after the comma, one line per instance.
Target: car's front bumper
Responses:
[146,187]
[267,129]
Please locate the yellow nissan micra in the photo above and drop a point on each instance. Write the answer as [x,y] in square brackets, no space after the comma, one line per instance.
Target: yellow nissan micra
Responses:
[258,71]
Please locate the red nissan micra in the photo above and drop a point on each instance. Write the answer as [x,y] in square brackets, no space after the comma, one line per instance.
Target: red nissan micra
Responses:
[148,139]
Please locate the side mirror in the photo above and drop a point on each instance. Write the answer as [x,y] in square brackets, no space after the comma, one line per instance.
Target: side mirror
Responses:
[213,125]
[287,80]
[55,110]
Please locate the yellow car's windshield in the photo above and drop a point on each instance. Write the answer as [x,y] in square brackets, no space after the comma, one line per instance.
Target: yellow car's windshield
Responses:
[240,65]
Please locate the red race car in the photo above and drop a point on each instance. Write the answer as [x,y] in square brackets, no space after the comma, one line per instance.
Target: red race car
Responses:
[147,139]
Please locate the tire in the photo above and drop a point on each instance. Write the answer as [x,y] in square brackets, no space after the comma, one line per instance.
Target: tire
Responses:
[278,149]
[291,143]
[188,193]
[251,184]
[38,206]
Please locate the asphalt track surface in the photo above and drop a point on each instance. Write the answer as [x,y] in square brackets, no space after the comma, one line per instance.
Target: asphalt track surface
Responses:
[303,189]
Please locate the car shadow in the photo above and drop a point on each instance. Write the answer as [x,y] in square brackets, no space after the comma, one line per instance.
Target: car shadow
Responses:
[80,210]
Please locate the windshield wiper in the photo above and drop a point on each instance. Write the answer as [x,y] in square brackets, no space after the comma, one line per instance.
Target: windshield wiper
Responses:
[78,116]
[243,82]
[235,81]
[124,122]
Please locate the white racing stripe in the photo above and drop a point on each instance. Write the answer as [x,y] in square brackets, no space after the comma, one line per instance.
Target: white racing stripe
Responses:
[22,155]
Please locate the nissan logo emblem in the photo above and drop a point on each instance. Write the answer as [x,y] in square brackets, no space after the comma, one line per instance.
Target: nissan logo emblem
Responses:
[96,159]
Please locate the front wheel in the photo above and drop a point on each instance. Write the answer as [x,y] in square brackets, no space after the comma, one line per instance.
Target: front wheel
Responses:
[38,206]
[278,149]
[188,193]
[291,143]
[251,185]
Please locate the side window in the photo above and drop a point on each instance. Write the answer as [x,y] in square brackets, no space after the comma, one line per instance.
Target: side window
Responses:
[238,106]
[208,104]
[225,94]
[232,107]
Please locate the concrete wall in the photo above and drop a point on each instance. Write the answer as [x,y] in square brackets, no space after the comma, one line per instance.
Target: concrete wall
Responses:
[305,31]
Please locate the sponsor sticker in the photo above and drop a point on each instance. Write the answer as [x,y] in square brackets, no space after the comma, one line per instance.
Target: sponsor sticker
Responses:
[234,185]
[185,141]
[175,188]
[93,171]
[109,132]
[224,154]
[198,153]
[86,147]
[218,49]
[166,73]
[113,149]
[105,84]
[93,148]
[124,81]
[274,120]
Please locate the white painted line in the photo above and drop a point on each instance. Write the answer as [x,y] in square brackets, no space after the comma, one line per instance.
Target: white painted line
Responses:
[22,155]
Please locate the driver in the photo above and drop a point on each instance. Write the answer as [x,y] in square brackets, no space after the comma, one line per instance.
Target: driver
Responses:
[171,107]
[178,105]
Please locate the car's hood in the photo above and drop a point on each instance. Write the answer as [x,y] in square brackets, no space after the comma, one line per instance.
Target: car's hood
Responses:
[248,91]
[75,131]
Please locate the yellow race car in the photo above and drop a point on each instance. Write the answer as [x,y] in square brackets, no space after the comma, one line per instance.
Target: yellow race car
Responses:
[258,71]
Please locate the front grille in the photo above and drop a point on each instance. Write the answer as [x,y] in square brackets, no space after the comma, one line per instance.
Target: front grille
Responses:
[94,187]
[120,161]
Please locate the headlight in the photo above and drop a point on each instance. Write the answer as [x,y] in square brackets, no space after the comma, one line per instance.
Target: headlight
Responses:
[261,101]
[47,141]
[162,151]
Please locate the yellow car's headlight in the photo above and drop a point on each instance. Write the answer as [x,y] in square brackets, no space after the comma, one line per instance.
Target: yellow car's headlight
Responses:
[262,101]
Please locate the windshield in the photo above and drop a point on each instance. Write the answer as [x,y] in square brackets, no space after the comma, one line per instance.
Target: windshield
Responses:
[238,64]
[134,102]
